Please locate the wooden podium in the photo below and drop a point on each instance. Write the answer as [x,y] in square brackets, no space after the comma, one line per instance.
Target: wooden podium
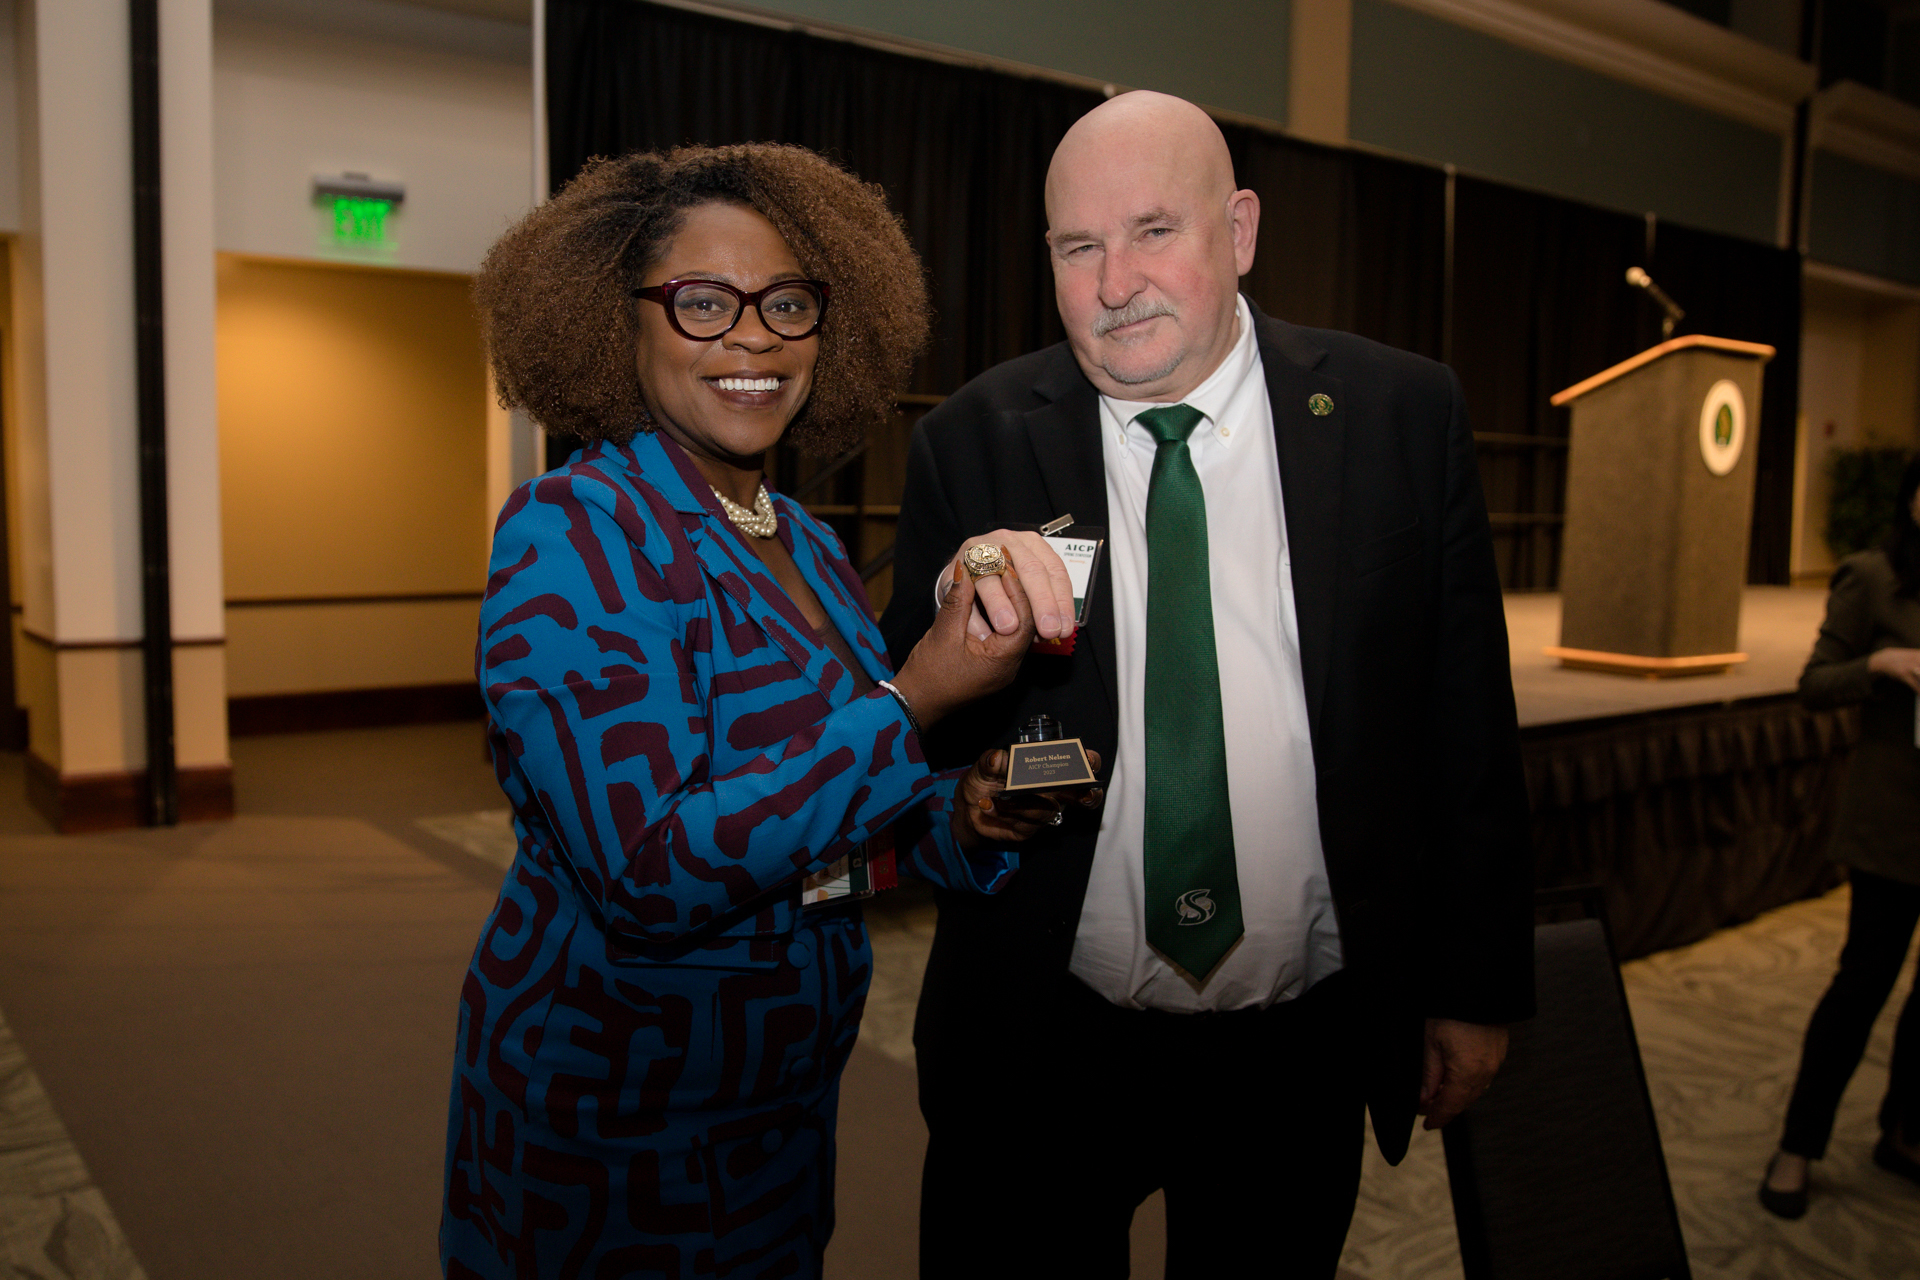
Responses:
[1660,473]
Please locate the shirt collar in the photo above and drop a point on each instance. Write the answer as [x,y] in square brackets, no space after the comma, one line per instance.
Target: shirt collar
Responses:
[1211,396]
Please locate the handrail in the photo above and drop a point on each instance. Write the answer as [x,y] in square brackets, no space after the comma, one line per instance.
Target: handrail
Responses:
[872,567]
[831,470]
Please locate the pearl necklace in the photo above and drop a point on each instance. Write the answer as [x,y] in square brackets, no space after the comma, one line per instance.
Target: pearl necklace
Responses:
[761,522]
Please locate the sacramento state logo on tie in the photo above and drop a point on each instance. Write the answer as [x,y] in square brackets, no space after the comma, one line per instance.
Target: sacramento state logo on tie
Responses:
[1195,906]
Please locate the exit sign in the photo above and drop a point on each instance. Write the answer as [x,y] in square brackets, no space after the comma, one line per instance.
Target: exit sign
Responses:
[359,220]
[361,206]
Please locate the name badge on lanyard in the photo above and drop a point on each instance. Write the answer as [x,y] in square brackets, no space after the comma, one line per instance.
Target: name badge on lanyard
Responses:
[1079,547]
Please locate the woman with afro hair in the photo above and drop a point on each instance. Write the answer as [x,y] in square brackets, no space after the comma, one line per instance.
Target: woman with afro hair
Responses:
[693,716]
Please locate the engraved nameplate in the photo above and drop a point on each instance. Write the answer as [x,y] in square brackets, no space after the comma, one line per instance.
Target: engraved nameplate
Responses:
[1047,766]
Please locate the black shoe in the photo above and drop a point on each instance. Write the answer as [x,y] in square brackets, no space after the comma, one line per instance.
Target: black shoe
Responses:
[1786,1204]
[1890,1158]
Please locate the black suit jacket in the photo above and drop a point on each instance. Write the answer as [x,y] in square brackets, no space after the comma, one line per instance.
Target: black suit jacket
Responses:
[1403,649]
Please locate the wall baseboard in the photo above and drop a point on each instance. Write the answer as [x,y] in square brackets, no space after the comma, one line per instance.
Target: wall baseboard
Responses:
[80,802]
[353,708]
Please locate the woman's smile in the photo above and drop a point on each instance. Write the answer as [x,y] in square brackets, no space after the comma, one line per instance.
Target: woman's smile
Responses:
[747,391]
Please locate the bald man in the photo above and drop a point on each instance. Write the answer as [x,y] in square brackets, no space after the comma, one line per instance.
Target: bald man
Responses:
[1306,891]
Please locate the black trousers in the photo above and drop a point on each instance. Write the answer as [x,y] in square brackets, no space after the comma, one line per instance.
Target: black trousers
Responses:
[1251,1121]
[1879,926]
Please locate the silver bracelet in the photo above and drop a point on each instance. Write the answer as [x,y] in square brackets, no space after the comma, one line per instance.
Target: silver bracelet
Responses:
[905,706]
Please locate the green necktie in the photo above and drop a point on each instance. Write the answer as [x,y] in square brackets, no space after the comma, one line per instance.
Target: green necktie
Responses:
[1193,892]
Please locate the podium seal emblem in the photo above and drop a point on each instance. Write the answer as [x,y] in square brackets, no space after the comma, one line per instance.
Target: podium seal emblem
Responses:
[1723,427]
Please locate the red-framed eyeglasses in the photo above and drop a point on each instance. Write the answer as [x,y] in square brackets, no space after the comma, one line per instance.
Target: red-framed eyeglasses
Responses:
[702,310]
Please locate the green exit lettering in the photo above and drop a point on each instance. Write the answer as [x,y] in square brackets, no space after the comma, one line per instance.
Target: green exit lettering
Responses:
[360,221]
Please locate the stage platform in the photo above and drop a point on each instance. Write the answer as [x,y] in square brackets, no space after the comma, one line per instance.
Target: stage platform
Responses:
[1777,630]
[1694,802]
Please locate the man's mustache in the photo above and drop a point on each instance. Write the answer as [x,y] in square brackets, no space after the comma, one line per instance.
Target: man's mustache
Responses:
[1133,313]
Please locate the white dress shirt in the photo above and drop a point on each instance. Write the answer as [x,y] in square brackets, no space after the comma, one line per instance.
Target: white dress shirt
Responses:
[1291,938]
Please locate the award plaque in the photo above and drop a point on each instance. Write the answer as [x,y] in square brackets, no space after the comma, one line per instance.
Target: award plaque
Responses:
[1044,759]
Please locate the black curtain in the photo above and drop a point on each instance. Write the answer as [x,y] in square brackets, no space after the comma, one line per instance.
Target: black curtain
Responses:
[962,153]
[1540,301]
[1738,289]
[1348,240]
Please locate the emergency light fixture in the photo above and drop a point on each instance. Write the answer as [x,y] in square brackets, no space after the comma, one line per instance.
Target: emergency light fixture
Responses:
[360,205]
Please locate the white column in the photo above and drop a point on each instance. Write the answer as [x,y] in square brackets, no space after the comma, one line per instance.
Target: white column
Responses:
[193,429]
[77,413]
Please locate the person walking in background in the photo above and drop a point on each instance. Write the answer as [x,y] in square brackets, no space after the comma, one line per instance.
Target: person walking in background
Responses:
[1868,653]
[692,713]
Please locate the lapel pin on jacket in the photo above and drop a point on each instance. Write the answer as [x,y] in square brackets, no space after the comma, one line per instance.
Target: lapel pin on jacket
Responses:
[1320,403]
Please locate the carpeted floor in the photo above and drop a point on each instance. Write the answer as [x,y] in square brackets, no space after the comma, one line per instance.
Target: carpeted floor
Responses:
[245,1031]
[246,1028]
[53,1220]
[241,1034]
[1719,1025]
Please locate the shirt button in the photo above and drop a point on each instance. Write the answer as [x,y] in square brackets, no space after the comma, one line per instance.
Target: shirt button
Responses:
[1225,432]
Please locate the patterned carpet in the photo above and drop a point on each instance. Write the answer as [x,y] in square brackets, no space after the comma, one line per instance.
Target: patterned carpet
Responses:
[1719,1025]
[487,835]
[54,1223]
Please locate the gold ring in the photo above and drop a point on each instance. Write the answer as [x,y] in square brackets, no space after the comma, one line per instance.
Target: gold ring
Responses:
[984,560]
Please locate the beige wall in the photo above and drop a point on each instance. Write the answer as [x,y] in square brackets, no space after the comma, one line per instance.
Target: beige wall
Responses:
[316,648]
[439,101]
[1890,375]
[353,461]
[1859,387]
[9,420]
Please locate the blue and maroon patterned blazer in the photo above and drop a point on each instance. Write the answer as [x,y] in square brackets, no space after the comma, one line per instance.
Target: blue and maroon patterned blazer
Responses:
[652,1031]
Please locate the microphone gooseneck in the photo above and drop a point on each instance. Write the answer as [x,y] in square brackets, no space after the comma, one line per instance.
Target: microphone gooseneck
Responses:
[1639,279]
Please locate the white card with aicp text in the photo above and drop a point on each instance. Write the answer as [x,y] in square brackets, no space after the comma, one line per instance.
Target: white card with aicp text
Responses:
[1081,555]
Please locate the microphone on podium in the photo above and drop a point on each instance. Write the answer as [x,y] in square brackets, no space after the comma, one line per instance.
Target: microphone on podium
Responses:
[1641,280]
